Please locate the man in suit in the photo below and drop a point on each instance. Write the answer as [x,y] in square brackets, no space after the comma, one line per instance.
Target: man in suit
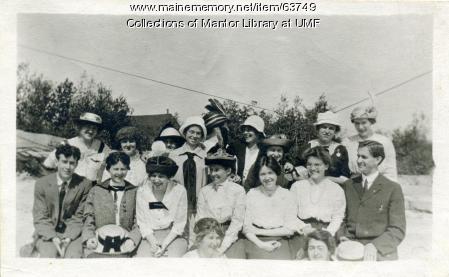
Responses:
[58,207]
[375,213]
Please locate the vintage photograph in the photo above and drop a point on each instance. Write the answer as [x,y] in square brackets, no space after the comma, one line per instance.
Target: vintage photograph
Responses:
[276,136]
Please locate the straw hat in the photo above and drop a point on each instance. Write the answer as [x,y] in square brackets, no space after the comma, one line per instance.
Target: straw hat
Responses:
[255,122]
[110,239]
[327,118]
[350,250]
[277,140]
[368,112]
[193,120]
[90,118]
[221,158]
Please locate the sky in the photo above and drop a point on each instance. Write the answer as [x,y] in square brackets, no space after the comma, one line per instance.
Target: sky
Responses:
[346,58]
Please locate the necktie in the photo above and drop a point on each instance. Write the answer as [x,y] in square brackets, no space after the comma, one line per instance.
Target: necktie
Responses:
[115,189]
[189,172]
[365,185]
[61,199]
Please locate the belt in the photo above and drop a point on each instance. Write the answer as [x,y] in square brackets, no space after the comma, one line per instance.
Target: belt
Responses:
[270,237]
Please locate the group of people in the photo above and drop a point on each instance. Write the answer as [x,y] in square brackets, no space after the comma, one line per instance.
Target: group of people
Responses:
[200,193]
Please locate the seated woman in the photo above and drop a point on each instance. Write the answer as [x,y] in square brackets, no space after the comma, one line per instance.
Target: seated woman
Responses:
[112,202]
[129,142]
[224,201]
[319,203]
[320,246]
[275,146]
[161,211]
[327,127]
[208,238]
[270,218]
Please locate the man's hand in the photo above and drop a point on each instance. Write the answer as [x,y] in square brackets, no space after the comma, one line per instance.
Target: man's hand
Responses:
[64,244]
[269,246]
[128,246]
[57,242]
[92,243]
[370,252]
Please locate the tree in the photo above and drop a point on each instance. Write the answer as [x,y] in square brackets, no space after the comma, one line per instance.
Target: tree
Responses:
[413,149]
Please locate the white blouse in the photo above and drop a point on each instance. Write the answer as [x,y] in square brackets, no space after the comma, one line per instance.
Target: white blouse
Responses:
[269,212]
[175,201]
[324,201]
[224,202]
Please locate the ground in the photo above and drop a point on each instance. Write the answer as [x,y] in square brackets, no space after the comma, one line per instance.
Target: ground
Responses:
[417,192]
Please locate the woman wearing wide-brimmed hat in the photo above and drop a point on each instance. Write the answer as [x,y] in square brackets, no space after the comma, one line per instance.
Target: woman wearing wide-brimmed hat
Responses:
[161,211]
[275,146]
[93,151]
[171,137]
[328,127]
[129,139]
[363,119]
[248,151]
[216,122]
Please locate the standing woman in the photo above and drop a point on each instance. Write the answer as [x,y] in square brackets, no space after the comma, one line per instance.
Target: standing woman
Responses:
[328,127]
[270,218]
[130,140]
[93,151]
[247,153]
[171,137]
[363,119]
[161,211]
[319,203]
[190,158]
[112,202]
[275,146]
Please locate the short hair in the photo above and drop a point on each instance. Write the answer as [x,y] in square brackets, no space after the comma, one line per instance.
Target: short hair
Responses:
[323,236]
[376,149]
[205,226]
[269,162]
[116,157]
[317,152]
[68,151]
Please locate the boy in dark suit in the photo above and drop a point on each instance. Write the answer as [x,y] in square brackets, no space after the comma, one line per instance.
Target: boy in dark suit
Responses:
[375,213]
[58,207]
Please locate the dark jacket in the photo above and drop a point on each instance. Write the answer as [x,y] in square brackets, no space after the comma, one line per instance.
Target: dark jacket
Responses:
[239,150]
[46,206]
[99,211]
[377,216]
[339,161]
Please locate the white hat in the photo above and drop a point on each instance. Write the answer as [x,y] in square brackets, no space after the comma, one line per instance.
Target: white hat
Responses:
[350,250]
[367,112]
[90,118]
[193,120]
[256,122]
[110,239]
[327,118]
[169,132]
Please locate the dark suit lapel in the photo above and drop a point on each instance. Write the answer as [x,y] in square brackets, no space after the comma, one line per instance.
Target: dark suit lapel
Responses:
[70,192]
[357,185]
[374,189]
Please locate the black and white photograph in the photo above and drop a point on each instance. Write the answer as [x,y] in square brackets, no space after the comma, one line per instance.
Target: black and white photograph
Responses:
[271,134]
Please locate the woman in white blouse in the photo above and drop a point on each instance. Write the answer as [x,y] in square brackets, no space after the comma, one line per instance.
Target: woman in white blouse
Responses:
[161,211]
[269,218]
[319,203]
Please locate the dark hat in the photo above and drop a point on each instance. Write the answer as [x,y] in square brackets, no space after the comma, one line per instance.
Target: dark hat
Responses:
[221,158]
[277,140]
[128,132]
[212,119]
[110,239]
[163,165]
[89,118]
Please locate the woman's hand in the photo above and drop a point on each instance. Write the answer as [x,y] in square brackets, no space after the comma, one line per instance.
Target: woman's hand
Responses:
[300,173]
[288,167]
[92,243]
[128,246]
[269,246]
[155,246]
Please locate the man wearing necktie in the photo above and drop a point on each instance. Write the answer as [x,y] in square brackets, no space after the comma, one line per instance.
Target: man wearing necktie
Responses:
[375,212]
[58,207]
